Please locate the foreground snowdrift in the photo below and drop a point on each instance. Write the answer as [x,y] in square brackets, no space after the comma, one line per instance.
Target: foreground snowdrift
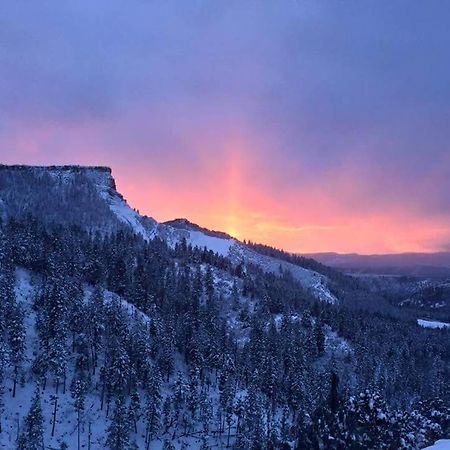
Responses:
[443,444]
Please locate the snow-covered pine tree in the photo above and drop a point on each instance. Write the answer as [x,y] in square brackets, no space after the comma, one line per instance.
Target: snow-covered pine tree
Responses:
[16,338]
[78,391]
[118,433]
[32,432]
[94,327]
[3,364]
[134,410]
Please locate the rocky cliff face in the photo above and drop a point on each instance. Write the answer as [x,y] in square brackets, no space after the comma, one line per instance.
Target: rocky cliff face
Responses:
[100,175]
[63,195]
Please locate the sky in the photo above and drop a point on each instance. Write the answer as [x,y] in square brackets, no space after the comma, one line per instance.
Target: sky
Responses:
[309,125]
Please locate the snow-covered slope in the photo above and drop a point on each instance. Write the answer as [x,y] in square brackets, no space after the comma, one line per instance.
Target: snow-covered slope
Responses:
[85,196]
[217,245]
[95,420]
[314,282]
[126,214]
[102,179]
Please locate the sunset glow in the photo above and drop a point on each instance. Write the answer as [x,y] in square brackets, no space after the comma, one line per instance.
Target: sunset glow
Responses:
[295,126]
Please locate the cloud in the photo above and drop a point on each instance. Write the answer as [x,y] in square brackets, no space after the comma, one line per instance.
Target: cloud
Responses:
[329,115]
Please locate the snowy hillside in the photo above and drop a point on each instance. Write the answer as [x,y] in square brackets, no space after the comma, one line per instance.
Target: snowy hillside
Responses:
[17,407]
[95,419]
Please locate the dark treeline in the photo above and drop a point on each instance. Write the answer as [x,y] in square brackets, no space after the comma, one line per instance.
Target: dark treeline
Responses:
[299,260]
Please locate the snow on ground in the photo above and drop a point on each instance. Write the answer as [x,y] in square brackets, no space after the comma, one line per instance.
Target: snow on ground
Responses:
[216,244]
[148,229]
[237,252]
[433,324]
[443,444]
[118,205]
[321,291]
[334,344]
[127,215]
[17,408]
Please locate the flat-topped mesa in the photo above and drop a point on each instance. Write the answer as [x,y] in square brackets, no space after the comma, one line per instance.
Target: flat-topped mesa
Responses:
[68,195]
[69,168]
[101,175]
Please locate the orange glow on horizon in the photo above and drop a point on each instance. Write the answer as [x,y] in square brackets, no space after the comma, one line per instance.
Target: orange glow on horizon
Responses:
[233,199]
[381,234]
[235,190]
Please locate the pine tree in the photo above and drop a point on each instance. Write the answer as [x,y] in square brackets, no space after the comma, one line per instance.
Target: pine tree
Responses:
[253,437]
[134,409]
[167,414]
[118,369]
[3,363]
[11,315]
[285,433]
[118,433]
[76,310]
[32,434]
[153,405]
[197,291]
[370,420]
[166,357]
[16,333]
[235,297]
[319,337]
[209,287]
[78,390]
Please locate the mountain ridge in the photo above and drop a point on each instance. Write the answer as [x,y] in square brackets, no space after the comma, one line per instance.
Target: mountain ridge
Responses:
[435,265]
[99,180]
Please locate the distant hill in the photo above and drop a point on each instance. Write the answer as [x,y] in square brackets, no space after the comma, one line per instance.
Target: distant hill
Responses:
[435,265]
